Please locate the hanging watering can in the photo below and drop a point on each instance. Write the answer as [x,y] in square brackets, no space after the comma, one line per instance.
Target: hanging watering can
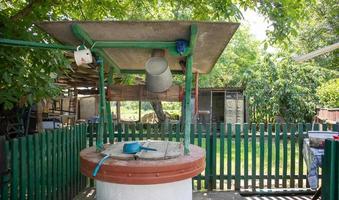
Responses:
[158,75]
[83,56]
[135,147]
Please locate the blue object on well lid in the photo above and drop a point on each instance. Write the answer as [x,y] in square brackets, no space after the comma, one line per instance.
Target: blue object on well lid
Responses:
[134,147]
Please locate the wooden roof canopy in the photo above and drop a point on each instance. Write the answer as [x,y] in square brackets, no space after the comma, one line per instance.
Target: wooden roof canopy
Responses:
[127,45]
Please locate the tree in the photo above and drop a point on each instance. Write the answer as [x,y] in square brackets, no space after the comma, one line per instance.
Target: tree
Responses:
[236,63]
[281,89]
[328,93]
[319,28]
[17,17]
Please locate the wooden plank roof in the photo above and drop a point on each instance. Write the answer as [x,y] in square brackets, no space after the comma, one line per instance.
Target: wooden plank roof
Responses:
[212,39]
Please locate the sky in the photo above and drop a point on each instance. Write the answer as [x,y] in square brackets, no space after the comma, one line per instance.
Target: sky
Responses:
[257,24]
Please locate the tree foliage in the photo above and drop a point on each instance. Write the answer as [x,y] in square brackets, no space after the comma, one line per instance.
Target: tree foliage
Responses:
[328,93]
[275,85]
[285,91]
[236,63]
[320,28]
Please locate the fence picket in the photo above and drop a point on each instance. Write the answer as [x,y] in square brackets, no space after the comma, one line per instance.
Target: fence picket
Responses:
[285,155]
[126,132]
[199,144]
[148,131]
[208,158]
[23,167]
[214,156]
[177,132]
[111,135]
[43,166]
[222,152]
[229,156]
[15,169]
[254,157]
[133,131]
[5,188]
[192,138]
[277,154]
[269,155]
[245,129]
[292,165]
[237,157]
[262,154]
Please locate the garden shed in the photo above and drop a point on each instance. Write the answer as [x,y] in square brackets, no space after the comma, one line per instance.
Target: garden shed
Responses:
[221,105]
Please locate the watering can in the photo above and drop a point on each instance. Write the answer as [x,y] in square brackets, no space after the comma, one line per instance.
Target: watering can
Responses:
[135,147]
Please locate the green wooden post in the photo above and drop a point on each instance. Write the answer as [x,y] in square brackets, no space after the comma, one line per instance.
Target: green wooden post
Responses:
[188,89]
[29,44]
[99,142]
[188,111]
[108,109]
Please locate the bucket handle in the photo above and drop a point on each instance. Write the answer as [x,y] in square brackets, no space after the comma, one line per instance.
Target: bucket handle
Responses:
[80,46]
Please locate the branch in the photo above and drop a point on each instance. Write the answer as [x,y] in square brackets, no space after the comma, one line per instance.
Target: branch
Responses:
[26,10]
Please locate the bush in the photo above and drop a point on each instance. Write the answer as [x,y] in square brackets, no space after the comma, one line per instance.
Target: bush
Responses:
[328,93]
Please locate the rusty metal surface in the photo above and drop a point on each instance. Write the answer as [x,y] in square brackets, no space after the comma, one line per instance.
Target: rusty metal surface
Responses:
[211,41]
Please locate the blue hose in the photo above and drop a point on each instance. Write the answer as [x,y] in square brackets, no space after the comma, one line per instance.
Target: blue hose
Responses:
[97,168]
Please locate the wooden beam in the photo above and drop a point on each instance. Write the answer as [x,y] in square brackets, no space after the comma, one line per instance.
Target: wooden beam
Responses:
[188,90]
[140,93]
[316,53]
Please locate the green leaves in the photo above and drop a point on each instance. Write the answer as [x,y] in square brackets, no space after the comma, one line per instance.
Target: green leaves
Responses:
[282,89]
[328,93]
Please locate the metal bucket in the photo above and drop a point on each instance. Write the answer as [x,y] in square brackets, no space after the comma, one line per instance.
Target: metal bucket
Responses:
[158,75]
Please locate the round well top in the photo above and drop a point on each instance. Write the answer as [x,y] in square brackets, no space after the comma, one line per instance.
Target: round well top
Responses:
[145,171]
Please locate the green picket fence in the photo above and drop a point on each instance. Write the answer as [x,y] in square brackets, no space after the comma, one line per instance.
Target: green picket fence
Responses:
[330,190]
[238,156]
[46,165]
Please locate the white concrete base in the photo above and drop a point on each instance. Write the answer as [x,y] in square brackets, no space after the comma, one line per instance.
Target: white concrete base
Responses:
[180,190]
